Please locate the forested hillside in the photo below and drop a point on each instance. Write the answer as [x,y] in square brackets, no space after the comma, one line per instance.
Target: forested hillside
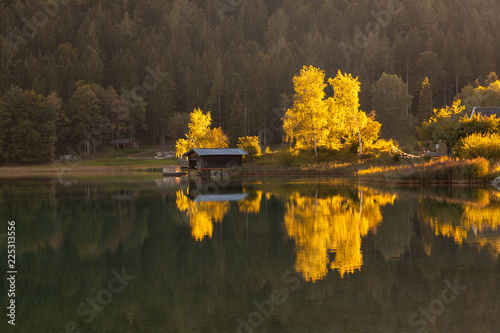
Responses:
[125,68]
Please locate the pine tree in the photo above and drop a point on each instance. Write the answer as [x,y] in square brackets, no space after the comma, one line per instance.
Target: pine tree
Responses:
[391,102]
[236,121]
[67,69]
[425,106]
[163,103]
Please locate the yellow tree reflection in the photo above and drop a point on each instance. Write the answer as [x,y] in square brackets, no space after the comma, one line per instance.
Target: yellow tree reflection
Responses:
[479,223]
[201,215]
[251,204]
[332,224]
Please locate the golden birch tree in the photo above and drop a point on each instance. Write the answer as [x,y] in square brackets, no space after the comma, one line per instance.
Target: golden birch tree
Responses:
[313,121]
[346,103]
[306,120]
[200,134]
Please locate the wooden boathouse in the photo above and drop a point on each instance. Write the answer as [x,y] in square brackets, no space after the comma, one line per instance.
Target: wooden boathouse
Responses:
[125,143]
[206,159]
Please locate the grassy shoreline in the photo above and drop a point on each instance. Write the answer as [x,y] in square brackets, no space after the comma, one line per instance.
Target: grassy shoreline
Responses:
[97,166]
[436,171]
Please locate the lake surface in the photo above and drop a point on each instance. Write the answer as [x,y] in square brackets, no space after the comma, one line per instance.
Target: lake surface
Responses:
[254,255]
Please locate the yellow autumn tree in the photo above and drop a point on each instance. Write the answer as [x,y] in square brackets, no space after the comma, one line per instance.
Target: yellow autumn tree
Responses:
[348,122]
[200,134]
[250,144]
[313,121]
[305,122]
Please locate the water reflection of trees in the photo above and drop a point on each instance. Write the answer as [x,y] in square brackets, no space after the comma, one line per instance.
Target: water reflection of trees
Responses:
[184,285]
[476,222]
[202,214]
[336,223]
[251,204]
[93,219]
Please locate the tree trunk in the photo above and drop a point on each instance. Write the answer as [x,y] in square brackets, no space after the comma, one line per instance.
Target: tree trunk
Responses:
[315,149]
[246,116]
[408,86]
[359,137]
[220,117]
[314,135]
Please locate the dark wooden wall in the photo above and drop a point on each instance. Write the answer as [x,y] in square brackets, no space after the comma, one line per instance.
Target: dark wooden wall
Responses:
[217,162]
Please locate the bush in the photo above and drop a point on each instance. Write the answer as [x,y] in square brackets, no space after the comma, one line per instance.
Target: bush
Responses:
[480,145]
[480,167]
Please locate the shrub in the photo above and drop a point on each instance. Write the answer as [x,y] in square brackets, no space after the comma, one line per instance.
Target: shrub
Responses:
[480,145]
[250,144]
[480,167]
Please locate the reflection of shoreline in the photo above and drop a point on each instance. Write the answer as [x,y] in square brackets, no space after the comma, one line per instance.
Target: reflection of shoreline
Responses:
[168,181]
[478,204]
[221,197]
[476,224]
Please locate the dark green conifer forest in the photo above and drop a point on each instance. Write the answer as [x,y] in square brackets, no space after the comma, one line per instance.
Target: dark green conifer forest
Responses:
[78,73]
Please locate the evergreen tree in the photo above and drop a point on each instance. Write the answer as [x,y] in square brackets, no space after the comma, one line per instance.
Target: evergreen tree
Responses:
[236,121]
[391,102]
[429,65]
[85,112]
[425,106]
[67,69]
[163,102]
[178,125]
[253,49]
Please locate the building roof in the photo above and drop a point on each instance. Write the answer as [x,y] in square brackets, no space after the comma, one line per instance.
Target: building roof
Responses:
[221,197]
[216,152]
[122,141]
[486,111]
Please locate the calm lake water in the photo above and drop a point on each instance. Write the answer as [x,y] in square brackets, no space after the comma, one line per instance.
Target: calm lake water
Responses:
[255,255]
